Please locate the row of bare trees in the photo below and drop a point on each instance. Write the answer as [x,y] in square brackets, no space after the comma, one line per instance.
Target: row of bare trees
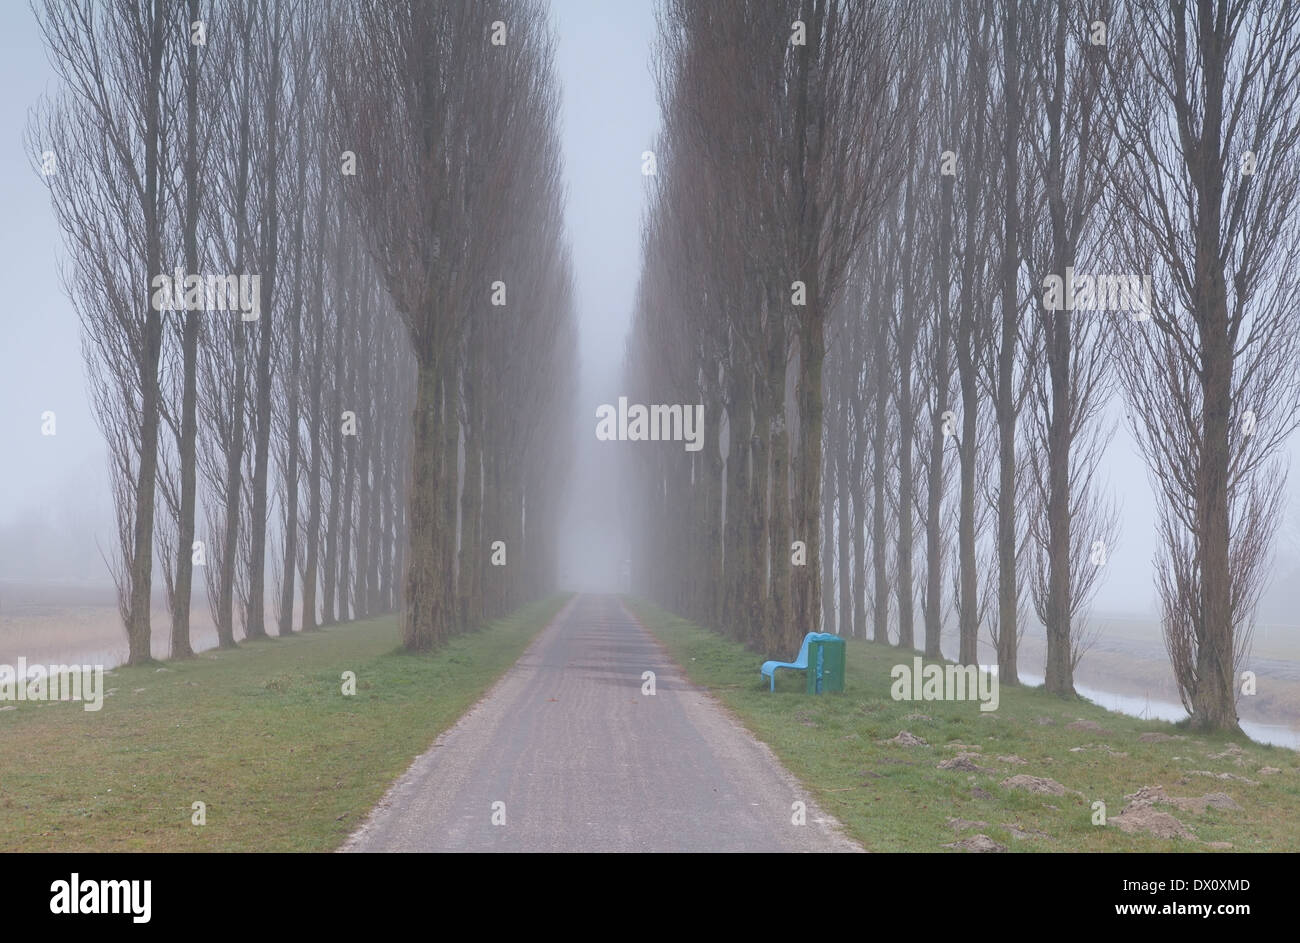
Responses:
[388,220]
[907,269]
[781,146]
[463,212]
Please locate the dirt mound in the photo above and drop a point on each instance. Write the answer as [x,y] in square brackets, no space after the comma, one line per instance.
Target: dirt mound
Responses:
[1035,784]
[977,843]
[1154,737]
[1229,751]
[1213,800]
[1233,777]
[907,739]
[964,763]
[1146,818]
[1233,752]
[1149,795]
[1082,724]
[1023,831]
[1101,747]
[965,825]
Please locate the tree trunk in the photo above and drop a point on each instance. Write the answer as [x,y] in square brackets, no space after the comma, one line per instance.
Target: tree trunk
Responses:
[138,628]
[255,618]
[343,296]
[846,525]
[812,355]
[787,628]
[423,616]
[759,626]
[1008,579]
[450,454]
[879,545]
[738,500]
[316,369]
[713,471]
[906,351]
[186,447]
[859,556]
[471,496]
[829,623]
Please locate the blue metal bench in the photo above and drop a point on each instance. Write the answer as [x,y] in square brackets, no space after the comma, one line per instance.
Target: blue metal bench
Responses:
[800,663]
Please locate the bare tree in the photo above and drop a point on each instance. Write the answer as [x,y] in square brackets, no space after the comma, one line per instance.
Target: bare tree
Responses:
[108,135]
[1073,527]
[438,114]
[1208,183]
[851,119]
[974,164]
[180,493]
[270,39]
[224,349]
[945,94]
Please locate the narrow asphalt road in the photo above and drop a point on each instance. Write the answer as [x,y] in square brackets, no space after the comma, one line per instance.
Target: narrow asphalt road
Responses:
[566,753]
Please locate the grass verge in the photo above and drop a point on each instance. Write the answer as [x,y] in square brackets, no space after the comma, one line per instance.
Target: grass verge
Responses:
[895,798]
[263,735]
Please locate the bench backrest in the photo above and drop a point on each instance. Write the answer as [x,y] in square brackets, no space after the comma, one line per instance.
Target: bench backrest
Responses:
[802,657]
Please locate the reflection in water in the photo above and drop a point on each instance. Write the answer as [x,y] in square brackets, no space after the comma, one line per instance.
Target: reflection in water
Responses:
[1276,734]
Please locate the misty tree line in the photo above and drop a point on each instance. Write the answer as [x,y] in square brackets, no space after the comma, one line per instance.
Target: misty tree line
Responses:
[859,211]
[765,180]
[379,433]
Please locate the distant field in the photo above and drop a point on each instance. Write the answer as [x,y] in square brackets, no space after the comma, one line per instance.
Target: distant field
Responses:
[893,797]
[1269,640]
[263,735]
[55,621]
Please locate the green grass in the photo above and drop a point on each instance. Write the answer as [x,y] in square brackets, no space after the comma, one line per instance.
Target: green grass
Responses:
[894,798]
[263,735]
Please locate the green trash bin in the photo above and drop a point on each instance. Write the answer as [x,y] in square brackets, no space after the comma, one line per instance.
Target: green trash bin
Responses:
[825,663]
